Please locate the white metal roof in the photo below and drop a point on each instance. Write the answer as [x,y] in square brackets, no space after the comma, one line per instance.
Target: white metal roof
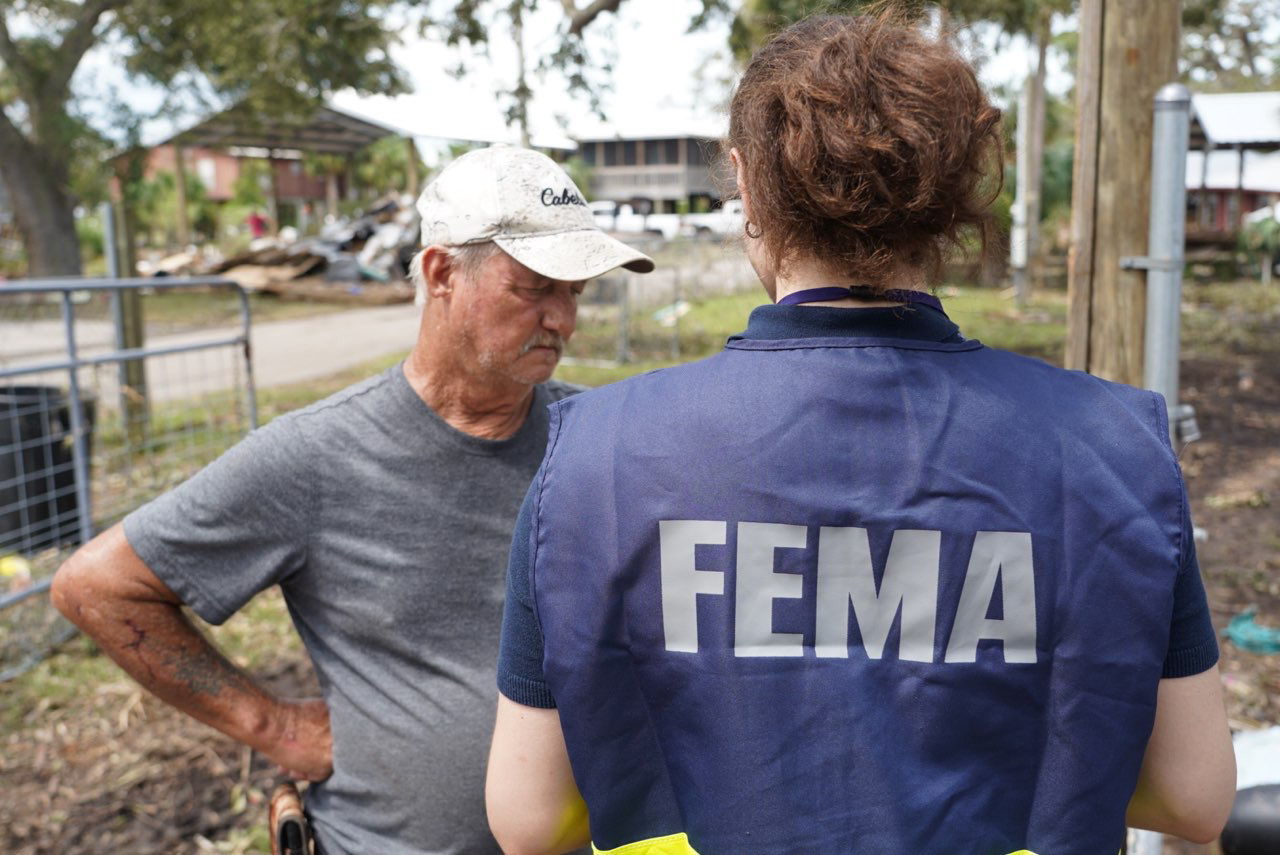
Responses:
[414,114]
[1239,118]
[1261,171]
[672,126]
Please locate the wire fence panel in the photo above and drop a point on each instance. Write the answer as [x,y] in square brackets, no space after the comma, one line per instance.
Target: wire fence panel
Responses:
[642,311]
[111,392]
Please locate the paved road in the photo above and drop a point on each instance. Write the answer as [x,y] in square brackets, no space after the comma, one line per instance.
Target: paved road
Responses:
[293,351]
[284,352]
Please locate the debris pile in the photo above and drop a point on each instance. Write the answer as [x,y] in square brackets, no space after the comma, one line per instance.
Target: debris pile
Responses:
[362,260]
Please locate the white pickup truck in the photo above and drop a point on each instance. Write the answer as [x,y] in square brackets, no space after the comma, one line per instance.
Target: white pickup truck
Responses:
[624,218]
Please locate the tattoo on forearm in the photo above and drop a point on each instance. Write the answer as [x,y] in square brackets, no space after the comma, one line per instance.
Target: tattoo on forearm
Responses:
[204,671]
[200,669]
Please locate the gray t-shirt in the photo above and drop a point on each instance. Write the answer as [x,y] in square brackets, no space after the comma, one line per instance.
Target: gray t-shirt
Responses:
[388,532]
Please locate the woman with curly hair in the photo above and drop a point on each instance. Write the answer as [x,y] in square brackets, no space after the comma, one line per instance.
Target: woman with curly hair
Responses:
[857,583]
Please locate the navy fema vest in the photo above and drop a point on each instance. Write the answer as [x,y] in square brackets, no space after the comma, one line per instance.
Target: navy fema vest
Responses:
[857,595]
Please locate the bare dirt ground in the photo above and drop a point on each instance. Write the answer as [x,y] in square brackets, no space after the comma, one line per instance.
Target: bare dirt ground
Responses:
[123,773]
[116,771]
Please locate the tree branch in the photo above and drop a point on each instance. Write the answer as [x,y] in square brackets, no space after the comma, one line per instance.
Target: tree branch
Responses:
[77,40]
[579,19]
[11,57]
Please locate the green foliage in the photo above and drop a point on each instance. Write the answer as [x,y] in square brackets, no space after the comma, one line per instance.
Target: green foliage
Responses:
[275,57]
[757,20]
[1230,44]
[1262,236]
[581,173]
[383,167]
[982,313]
[1055,184]
[247,189]
[88,181]
[90,233]
[281,54]
[320,165]
[157,209]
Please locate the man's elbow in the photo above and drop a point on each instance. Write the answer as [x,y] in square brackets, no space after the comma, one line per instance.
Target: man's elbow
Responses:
[66,589]
[88,583]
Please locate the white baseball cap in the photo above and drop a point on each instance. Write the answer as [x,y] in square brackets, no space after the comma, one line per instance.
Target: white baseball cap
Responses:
[526,204]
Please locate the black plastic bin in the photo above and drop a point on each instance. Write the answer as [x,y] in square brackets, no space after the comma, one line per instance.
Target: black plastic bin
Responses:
[38,503]
[1254,825]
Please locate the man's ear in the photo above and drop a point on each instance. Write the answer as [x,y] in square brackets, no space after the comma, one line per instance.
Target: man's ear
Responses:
[739,173]
[437,271]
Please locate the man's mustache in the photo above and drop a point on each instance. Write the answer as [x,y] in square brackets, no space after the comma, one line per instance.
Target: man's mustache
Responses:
[544,340]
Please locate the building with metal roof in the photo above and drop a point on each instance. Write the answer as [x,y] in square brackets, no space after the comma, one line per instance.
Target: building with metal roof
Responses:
[1231,167]
[216,147]
[1249,120]
[671,165]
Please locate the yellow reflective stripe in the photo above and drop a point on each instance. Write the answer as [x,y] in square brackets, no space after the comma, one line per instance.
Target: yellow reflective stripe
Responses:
[678,844]
[672,844]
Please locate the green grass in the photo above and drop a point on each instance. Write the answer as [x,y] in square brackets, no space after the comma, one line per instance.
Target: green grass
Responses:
[75,677]
[987,314]
[1231,319]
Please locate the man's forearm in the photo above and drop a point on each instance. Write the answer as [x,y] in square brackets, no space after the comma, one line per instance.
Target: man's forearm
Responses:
[160,648]
[107,591]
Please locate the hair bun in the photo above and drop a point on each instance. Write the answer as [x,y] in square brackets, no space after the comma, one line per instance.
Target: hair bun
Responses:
[867,144]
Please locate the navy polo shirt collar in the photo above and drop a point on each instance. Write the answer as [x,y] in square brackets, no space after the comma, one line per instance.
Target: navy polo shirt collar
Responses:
[916,322]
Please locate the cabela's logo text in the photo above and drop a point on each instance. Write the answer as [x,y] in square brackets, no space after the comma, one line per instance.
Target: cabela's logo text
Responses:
[564,197]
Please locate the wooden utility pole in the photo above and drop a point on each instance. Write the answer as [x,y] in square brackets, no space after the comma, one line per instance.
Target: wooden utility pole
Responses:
[180,184]
[273,195]
[1128,50]
[411,176]
[127,302]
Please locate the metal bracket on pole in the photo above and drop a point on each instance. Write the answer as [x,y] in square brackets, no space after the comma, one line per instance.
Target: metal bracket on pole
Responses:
[1183,419]
[1142,262]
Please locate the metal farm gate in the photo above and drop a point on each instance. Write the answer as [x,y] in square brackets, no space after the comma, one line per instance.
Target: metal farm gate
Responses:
[93,422]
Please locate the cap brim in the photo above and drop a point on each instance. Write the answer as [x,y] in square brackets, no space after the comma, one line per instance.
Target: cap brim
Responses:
[574,255]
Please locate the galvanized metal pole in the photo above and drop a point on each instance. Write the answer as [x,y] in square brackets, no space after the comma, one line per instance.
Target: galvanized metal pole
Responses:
[80,444]
[110,237]
[250,388]
[1165,242]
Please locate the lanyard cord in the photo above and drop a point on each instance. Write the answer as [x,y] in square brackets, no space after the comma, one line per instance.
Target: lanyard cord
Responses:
[839,292]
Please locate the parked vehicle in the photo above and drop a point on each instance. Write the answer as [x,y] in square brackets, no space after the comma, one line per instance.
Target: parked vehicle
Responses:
[724,222]
[624,217]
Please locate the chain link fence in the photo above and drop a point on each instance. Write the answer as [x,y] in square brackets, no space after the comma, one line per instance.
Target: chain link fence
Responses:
[111,392]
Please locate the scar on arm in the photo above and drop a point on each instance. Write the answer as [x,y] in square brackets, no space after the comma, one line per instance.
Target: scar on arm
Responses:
[139,636]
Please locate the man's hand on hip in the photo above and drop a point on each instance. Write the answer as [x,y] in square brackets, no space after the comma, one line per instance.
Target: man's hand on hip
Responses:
[303,746]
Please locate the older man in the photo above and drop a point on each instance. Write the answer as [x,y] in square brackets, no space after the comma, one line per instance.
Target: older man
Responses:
[384,513]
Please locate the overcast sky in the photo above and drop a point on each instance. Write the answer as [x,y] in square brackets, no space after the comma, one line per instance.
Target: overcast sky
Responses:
[663,78]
